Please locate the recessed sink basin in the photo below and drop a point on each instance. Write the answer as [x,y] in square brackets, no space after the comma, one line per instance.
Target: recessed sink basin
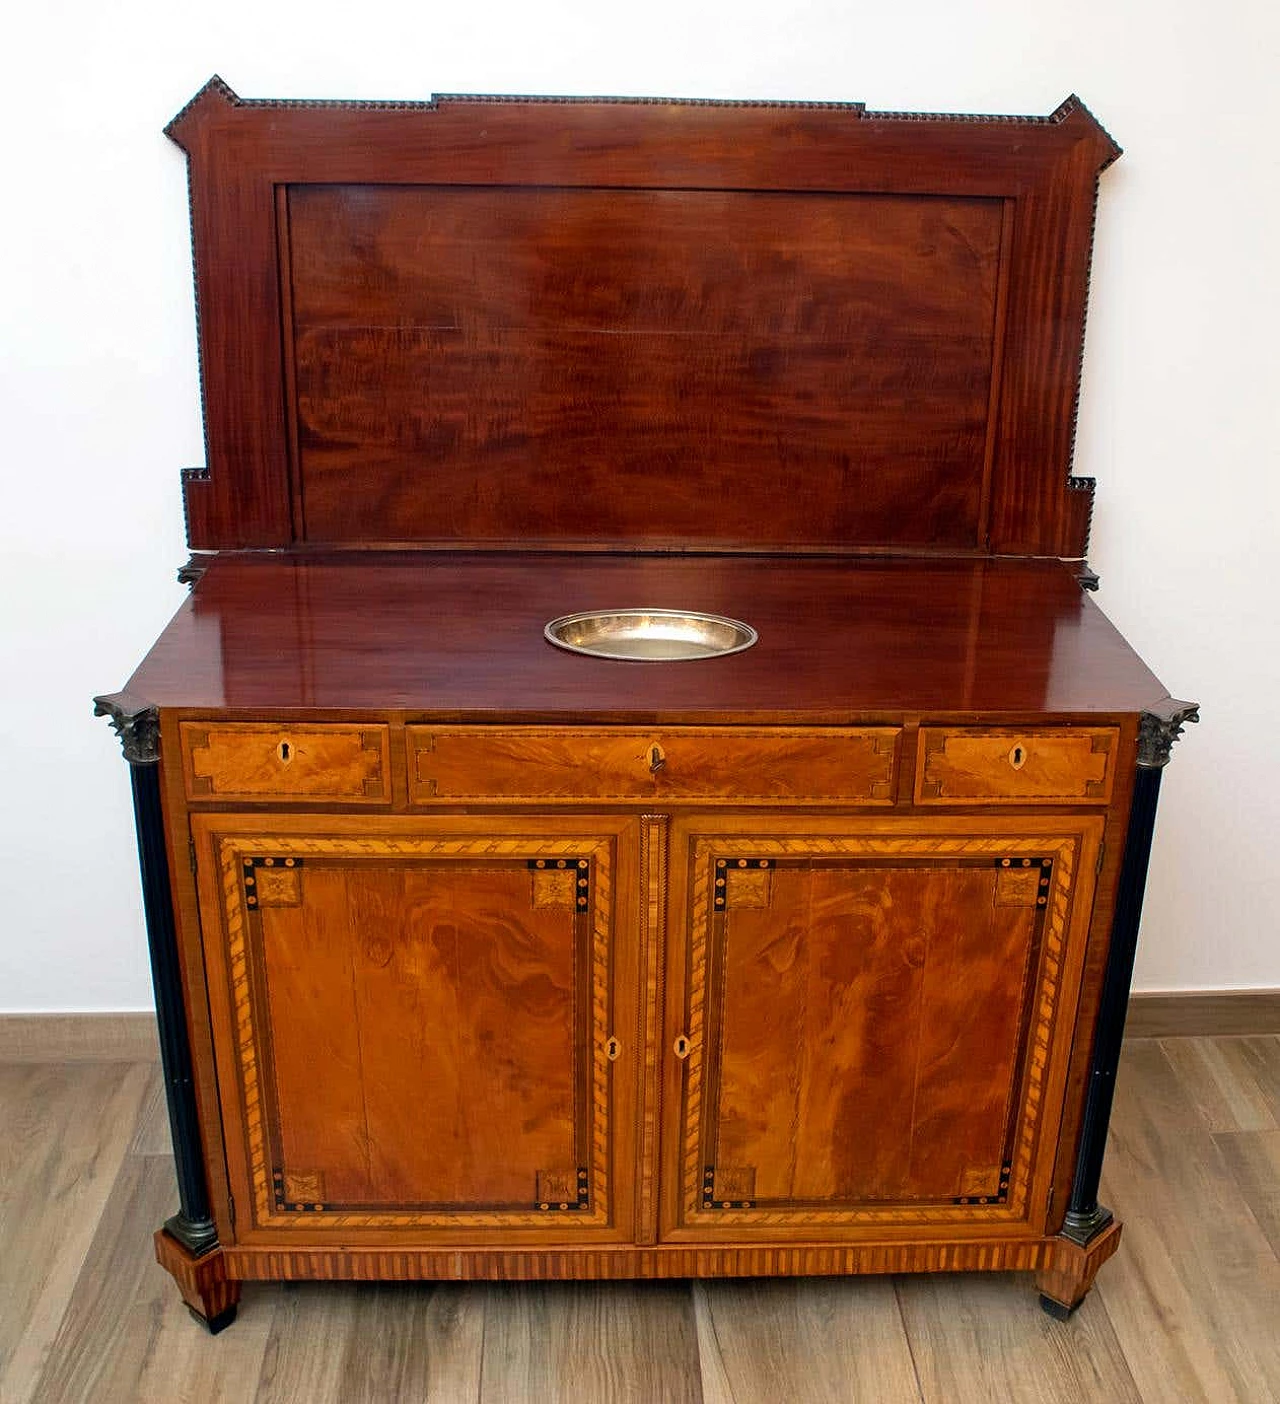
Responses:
[650,635]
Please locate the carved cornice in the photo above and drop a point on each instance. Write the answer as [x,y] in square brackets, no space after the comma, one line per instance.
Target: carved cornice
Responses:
[217,92]
[1160,727]
[136,722]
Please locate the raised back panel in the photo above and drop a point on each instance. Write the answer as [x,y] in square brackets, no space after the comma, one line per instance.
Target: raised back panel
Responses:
[667,325]
[663,366]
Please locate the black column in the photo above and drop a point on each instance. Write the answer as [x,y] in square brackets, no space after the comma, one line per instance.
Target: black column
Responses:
[138,727]
[1158,730]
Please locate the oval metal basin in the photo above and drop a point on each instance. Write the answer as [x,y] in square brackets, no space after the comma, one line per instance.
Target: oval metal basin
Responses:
[650,635]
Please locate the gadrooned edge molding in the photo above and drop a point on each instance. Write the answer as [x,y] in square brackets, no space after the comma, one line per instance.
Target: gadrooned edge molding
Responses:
[217,87]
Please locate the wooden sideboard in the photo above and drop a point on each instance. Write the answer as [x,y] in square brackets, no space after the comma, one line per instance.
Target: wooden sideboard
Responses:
[479,959]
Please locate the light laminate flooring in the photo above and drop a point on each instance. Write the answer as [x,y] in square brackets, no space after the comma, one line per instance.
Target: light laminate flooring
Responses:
[1188,1310]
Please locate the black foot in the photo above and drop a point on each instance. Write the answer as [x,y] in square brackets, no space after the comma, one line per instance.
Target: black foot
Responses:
[214,1324]
[1056,1309]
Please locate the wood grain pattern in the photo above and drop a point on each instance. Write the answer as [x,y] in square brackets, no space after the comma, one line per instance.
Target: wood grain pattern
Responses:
[407,1343]
[1232,1082]
[125,1037]
[759,1342]
[970,1342]
[572,765]
[1068,1276]
[844,961]
[841,641]
[1202,1013]
[547,364]
[126,1333]
[66,1133]
[985,765]
[1253,1159]
[204,1282]
[570,1344]
[941,1252]
[1215,1274]
[860,302]
[243,761]
[654,838]
[426,959]
[122,1332]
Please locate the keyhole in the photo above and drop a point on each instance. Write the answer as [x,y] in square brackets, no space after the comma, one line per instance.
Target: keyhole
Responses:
[285,751]
[1018,757]
[657,758]
[682,1047]
[613,1048]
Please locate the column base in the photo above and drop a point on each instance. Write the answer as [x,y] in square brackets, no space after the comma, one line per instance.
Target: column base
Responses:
[1065,1281]
[210,1294]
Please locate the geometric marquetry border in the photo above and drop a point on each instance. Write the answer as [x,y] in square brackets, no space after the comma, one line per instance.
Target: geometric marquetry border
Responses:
[235,851]
[1013,1207]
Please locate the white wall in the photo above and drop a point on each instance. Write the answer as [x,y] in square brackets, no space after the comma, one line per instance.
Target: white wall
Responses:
[100,405]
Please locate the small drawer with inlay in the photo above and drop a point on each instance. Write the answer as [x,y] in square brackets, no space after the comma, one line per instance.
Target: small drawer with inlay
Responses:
[731,765]
[255,761]
[1000,765]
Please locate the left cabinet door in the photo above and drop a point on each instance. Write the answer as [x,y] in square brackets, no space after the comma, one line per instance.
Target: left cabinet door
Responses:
[421,1025]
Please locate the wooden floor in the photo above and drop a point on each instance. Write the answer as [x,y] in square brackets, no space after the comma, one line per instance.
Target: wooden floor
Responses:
[1189,1309]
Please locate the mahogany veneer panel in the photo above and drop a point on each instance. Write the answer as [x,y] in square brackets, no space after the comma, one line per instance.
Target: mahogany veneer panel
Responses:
[868,1016]
[462,636]
[870,323]
[414,1021]
[381,979]
[562,365]
[569,765]
[900,977]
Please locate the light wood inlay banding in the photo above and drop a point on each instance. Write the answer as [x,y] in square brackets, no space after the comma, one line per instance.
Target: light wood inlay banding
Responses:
[245,761]
[986,765]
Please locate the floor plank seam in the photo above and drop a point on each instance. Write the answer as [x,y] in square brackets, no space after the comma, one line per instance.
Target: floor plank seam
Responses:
[906,1333]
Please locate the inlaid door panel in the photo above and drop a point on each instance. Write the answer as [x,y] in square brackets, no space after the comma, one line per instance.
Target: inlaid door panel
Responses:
[870,1019]
[416,1024]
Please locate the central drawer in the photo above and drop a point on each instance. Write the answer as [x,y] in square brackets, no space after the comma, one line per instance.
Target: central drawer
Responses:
[736,765]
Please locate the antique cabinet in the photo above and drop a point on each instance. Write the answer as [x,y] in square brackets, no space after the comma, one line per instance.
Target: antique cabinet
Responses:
[476,958]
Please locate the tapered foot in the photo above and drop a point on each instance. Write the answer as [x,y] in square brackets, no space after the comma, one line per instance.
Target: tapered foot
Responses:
[1065,1281]
[214,1324]
[211,1296]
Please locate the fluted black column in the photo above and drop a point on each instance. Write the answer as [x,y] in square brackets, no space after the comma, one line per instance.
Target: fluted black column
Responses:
[139,730]
[1158,730]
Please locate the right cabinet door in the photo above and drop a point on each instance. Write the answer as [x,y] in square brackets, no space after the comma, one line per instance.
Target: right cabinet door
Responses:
[869,1022]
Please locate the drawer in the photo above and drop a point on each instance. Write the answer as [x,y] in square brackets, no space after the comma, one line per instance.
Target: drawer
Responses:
[999,765]
[748,765]
[253,761]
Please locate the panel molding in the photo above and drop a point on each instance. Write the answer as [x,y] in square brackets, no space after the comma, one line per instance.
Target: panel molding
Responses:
[234,850]
[1018,1196]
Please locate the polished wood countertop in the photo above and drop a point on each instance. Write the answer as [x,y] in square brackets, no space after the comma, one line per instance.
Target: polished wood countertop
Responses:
[459,636]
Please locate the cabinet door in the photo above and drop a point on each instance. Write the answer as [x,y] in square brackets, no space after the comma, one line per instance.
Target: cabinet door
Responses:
[869,1024]
[419,1023]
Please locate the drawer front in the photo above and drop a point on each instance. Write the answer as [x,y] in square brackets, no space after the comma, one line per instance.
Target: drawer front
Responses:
[984,765]
[469,765]
[249,761]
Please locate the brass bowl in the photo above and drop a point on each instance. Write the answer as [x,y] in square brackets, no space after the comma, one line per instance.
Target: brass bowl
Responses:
[650,635]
